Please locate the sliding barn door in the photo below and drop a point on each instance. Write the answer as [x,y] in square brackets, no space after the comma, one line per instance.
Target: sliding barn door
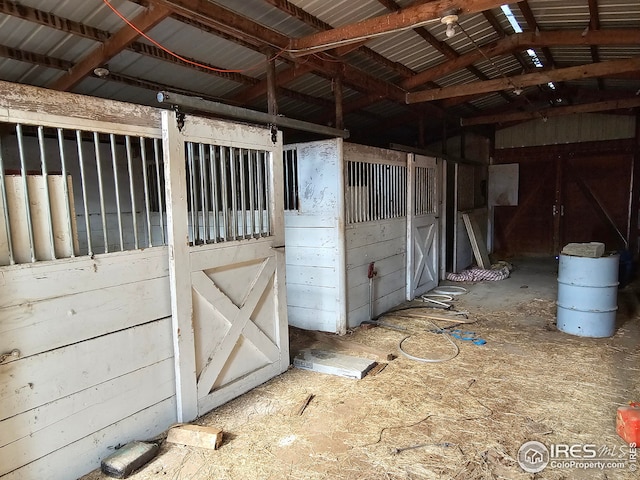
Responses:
[226,224]
[422,225]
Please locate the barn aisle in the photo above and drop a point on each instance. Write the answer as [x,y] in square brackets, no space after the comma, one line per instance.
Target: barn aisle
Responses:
[461,419]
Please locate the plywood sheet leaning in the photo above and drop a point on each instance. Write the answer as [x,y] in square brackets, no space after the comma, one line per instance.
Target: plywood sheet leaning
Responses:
[477,242]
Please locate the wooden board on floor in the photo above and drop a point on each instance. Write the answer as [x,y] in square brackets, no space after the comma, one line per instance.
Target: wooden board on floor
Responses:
[325,361]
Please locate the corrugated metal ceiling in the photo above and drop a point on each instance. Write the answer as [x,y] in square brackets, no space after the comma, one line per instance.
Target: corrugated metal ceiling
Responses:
[398,53]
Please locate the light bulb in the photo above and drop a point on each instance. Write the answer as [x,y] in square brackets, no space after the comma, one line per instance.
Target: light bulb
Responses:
[451,30]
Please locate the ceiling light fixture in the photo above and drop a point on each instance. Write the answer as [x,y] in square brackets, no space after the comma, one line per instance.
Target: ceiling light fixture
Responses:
[450,21]
[517,91]
[101,72]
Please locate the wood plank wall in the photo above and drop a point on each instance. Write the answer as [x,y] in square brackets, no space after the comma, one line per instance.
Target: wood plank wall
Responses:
[96,364]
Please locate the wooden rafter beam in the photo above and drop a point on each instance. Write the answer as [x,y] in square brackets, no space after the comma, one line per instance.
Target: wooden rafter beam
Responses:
[493,21]
[213,14]
[607,105]
[594,24]
[523,41]
[408,17]
[533,25]
[538,78]
[111,47]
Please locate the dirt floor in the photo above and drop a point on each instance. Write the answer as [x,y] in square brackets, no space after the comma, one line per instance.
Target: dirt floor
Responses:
[464,418]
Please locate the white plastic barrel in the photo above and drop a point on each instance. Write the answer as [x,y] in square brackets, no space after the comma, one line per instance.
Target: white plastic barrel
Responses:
[588,295]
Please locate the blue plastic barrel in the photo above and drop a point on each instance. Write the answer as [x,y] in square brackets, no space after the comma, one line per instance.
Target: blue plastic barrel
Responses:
[588,295]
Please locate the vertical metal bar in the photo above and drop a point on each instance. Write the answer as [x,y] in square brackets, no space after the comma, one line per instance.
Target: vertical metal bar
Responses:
[268,161]
[243,200]
[387,197]
[114,162]
[287,189]
[84,190]
[260,182]
[45,178]
[132,192]
[7,222]
[347,193]
[145,179]
[65,190]
[369,191]
[156,155]
[214,188]
[234,193]
[359,192]
[195,233]
[203,194]
[25,187]
[103,215]
[296,198]
[252,192]
[224,153]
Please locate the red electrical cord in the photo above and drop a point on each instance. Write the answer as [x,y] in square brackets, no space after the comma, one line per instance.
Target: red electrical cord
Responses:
[173,54]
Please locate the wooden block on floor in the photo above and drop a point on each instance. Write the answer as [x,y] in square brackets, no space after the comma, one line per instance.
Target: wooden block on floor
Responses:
[590,250]
[196,436]
[333,363]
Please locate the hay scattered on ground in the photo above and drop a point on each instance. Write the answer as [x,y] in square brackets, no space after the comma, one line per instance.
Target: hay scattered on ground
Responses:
[462,419]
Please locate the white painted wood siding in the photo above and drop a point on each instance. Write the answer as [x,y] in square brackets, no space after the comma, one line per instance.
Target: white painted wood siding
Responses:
[314,240]
[383,242]
[96,364]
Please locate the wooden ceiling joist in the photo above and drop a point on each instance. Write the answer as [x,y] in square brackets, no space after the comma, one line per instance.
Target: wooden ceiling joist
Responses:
[407,18]
[111,47]
[608,105]
[521,42]
[526,80]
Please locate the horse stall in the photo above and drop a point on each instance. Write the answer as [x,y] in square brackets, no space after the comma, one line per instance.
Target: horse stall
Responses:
[361,228]
[141,283]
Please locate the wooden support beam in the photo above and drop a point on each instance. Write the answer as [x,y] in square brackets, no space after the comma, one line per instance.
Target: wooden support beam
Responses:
[337,93]
[111,47]
[523,41]
[594,24]
[533,25]
[538,78]
[34,58]
[272,98]
[633,102]
[409,17]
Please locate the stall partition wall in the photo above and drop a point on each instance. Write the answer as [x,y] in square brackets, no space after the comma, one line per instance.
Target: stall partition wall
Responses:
[99,354]
[346,207]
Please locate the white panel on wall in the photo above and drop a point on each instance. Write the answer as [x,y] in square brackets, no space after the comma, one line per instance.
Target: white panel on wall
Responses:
[585,127]
[503,184]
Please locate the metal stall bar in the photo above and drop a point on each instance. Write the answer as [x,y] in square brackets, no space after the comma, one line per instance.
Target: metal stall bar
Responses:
[7,222]
[103,213]
[132,192]
[83,182]
[243,201]
[145,179]
[65,189]
[260,185]
[195,230]
[156,154]
[252,192]
[214,193]
[224,192]
[27,203]
[45,179]
[114,163]
[204,202]
[234,193]
[267,161]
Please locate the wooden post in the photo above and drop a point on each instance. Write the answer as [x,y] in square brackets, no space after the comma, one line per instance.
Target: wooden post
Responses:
[558,208]
[337,94]
[272,101]
[179,269]
[634,202]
